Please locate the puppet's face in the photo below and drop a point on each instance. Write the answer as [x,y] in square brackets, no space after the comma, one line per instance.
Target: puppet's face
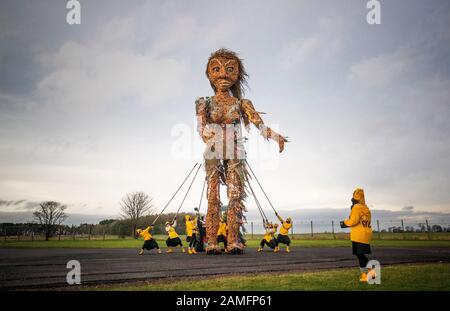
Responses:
[223,72]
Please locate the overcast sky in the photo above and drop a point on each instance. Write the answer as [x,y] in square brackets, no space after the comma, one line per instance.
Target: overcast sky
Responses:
[90,112]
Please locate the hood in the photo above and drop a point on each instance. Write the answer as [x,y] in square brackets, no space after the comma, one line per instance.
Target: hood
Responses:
[358,195]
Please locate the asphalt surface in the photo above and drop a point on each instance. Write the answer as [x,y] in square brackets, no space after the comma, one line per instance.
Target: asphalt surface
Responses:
[46,268]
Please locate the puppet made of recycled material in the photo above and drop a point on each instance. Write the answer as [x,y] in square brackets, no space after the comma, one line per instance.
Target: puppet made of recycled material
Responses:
[219,124]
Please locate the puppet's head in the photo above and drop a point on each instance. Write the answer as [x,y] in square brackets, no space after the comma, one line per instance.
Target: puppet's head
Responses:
[226,72]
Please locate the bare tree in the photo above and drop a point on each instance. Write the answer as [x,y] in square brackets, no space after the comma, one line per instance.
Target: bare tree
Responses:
[50,214]
[134,206]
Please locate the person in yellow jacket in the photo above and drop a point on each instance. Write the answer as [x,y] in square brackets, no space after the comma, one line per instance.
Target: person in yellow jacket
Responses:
[269,238]
[283,236]
[359,223]
[191,233]
[173,239]
[149,242]
[222,233]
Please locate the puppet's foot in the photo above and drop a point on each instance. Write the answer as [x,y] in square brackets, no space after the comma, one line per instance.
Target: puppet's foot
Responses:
[213,250]
[236,249]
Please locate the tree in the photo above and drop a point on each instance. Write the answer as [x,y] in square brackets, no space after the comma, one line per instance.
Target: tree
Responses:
[134,206]
[50,214]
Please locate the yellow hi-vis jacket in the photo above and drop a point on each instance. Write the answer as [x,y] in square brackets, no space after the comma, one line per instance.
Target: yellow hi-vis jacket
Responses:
[146,234]
[223,228]
[268,236]
[171,231]
[360,219]
[191,226]
[285,227]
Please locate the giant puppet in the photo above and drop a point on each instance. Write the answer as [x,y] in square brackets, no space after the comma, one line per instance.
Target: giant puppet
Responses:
[219,124]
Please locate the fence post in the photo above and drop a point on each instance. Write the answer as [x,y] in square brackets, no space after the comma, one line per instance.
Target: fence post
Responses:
[73,233]
[18,236]
[428,229]
[292,230]
[403,229]
[5,233]
[252,229]
[103,233]
[59,234]
[332,229]
[312,231]
[32,236]
[378,228]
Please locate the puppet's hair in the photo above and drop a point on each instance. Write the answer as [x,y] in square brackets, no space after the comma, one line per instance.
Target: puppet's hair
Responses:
[239,87]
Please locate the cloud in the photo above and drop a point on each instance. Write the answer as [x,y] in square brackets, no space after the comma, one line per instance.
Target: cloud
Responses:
[18,205]
[72,219]
[382,69]
[298,51]
[84,77]
[10,203]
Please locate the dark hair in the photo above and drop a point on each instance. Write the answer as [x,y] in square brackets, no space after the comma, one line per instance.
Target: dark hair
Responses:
[239,87]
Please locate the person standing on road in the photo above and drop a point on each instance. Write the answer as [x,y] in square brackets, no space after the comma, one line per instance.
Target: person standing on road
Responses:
[222,233]
[269,238]
[173,240]
[149,242]
[191,233]
[359,223]
[283,236]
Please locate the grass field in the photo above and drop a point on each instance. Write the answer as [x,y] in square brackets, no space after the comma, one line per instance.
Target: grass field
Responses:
[415,277]
[131,243]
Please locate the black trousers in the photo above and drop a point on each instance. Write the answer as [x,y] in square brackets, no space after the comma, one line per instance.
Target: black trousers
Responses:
[283,239]
[173,242]
[362,259]
[222,239]
[192,240]
[150,244]
[272,244]
[360,250]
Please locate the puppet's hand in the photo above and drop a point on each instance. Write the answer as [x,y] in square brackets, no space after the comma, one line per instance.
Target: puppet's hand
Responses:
[281,141]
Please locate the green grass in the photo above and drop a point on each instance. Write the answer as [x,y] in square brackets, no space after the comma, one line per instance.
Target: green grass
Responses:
[415,277]
[131,243]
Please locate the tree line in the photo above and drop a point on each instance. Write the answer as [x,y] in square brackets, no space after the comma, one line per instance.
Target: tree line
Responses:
[136,211]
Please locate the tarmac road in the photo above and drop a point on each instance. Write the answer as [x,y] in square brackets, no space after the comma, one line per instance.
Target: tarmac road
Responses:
[46,268]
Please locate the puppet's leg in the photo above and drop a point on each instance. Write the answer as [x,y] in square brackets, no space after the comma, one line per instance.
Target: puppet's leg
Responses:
[235,176]
[213,214]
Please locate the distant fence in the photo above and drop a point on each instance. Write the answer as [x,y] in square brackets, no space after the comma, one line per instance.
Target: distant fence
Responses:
[391,229]
[394,229]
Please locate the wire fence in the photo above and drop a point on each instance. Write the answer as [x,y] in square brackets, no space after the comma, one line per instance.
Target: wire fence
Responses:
[382,229]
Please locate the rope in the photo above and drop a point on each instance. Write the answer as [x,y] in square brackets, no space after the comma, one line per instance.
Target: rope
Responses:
[174,194]
[261,211]
[253,173]
[187,191]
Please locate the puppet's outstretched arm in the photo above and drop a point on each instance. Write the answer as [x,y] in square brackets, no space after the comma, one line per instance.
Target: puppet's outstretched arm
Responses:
[251,115]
